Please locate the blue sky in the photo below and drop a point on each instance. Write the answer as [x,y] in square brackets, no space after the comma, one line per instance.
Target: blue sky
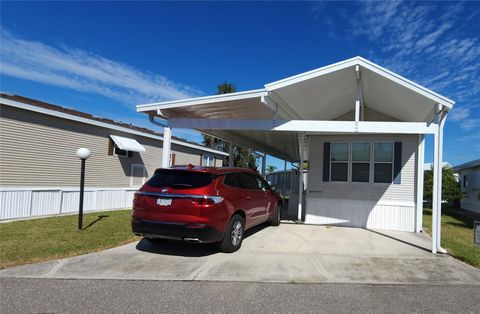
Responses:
[105,57]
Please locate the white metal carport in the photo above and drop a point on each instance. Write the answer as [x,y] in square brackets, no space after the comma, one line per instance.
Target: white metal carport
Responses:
[330,100]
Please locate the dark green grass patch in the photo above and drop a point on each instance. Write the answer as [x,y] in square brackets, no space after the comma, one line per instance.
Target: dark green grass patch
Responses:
[457,234]
[36,240]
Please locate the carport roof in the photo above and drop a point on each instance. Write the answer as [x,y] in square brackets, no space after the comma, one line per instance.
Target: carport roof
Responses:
[321,94]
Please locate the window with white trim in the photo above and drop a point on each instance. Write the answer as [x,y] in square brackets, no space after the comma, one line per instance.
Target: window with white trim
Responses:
[339,153]
[383,162]
[208,160]
[361,161]
[138,175]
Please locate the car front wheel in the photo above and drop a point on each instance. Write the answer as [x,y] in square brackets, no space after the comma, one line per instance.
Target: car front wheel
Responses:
[276,216]
[234,235]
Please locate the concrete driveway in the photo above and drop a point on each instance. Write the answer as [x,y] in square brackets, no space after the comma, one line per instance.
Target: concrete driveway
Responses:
[288,253]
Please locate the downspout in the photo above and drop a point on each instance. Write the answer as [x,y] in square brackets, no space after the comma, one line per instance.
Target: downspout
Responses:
[151,118]
[443,119]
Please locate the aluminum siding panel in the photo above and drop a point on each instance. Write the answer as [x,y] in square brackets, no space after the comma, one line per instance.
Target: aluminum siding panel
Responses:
[367,205]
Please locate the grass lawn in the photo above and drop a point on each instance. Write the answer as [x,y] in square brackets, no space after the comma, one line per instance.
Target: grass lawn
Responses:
[457,234]
[36,240]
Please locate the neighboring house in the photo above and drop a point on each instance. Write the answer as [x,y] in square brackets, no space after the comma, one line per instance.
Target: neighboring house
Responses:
[469,176]
[40,173]
[360,127]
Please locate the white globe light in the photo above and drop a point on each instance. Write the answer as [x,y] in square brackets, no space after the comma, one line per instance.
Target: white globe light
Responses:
[83,153]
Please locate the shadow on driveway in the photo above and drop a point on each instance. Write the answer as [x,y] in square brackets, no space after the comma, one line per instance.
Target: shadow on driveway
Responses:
[182,248]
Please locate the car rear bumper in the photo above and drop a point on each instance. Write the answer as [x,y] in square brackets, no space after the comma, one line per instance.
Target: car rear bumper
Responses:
[176,231]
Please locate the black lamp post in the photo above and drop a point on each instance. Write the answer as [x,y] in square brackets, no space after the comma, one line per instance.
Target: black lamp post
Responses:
[83,154]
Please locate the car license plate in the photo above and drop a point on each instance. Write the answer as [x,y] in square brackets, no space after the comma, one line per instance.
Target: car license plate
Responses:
[164,201]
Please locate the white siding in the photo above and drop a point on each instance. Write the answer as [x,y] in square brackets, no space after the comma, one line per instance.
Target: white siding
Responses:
[366,205]
[39,150]
[30,202]
[471,198]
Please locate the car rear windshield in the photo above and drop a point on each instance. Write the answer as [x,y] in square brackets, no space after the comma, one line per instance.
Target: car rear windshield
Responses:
[180,179]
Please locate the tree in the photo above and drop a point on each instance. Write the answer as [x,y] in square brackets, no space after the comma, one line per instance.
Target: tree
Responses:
[242,157]
[271,168]
[451,191]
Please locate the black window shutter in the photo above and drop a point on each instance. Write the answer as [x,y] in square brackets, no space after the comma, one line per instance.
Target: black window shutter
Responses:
[326,161]
[397,163]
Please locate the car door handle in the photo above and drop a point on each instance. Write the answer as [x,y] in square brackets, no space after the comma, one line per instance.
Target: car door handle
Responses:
[248,197]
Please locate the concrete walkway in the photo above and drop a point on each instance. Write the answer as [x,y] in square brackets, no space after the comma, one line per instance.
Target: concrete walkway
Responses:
[288,253]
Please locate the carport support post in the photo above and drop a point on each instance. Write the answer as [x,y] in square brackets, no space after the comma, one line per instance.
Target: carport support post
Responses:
[420,174]
[440,178]
[437,181]
[300,176]
[167,142]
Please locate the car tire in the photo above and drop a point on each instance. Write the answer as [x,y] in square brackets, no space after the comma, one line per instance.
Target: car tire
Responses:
[234,235]
[276,216]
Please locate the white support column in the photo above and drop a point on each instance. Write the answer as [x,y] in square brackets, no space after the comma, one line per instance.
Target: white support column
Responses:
[437,181]
[357,98]
[300,176]
[435,188]
[167,142]
[420,174]
[230,155]
[439,184]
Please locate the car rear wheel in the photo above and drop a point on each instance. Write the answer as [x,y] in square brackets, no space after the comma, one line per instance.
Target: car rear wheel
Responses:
[276,216]
[234,235]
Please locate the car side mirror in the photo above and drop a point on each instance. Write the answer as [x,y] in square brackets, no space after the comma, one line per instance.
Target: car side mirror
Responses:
[273,188]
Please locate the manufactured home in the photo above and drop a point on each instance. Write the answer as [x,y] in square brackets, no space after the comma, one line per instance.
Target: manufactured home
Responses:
[469,177]
[40,172]
[359,127]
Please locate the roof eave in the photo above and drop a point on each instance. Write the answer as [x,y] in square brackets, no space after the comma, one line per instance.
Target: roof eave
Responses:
[202,100]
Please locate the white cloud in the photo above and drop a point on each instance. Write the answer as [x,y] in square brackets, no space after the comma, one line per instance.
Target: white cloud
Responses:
[431,44]
[459,114]
[470,124]
[85,72]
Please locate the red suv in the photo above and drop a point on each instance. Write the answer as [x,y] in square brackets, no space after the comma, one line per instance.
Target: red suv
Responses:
[204,204]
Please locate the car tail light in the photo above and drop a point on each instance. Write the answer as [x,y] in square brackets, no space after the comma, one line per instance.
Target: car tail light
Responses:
[136,199]
[207,200]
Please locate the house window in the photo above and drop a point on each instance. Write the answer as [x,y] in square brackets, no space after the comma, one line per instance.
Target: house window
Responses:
[383,162]
[339,162]
[208,161]
[114,150]
[361,161]
[138,175]
[120,152]
[465,181]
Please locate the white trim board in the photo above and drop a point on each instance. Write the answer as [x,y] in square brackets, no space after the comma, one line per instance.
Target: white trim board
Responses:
[63,115]
[327,126]
[202,100]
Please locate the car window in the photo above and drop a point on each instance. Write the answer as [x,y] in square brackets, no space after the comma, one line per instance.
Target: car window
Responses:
[261,184]
[247,181]
[232,180]
[179,179]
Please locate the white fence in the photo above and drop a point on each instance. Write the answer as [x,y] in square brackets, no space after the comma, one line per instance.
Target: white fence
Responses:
[31,202]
